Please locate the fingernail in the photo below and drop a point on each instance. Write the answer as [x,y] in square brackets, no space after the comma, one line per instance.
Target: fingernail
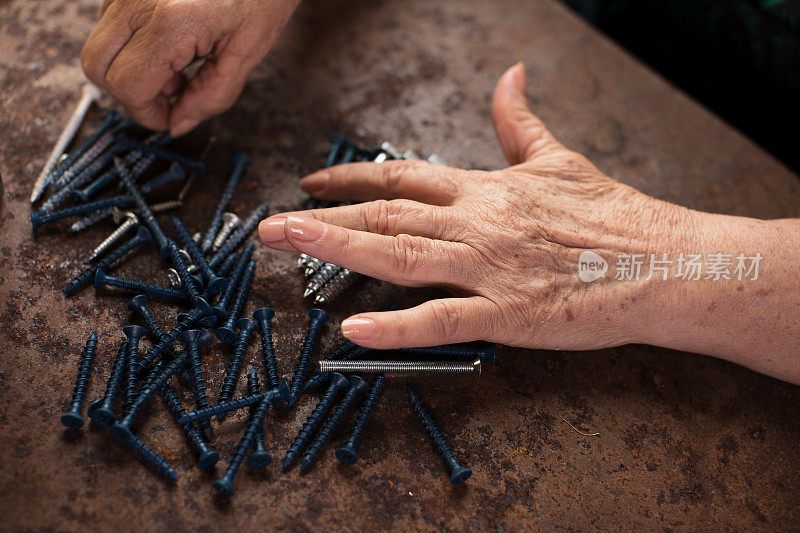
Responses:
[315,182]
[359,328]
[305,229]
[184,126]
[271,229]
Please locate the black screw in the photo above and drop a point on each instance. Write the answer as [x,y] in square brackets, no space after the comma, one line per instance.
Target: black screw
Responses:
[87,152]
[214,283]
[101,279]
[80,180]
[72,418]
[151,456]
[138,304]
[279,393]
[337,383]
[357,386]
[240,163]
[225,333]
[144,210]
[207,457]
[233,282]
[175,173]
[259,458]
[87,276]
[263,316]
[187,281]
[186,322]
[133,334]
[100,411]
[486,353]
[194,339]
[38,218]
[347,453]
[340,354]
[239,235]
[318,318]
[121,430]
[126,143]
[458,473]
[136,161]
[246,327]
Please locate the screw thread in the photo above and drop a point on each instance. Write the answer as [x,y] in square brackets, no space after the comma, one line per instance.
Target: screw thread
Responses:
[236,277]
[312,266]
[244,445]
[452,350]
[175,407]
[108,176]
[175,173]
[340,354]
[430,426]
[198,383]
[140,286]
[138,304]
[321,277]
[312,422]
[161,153]
[365,413]
[301,368]
[87,152]
[82,209]
[200,260]
[235,365]
[343,280]
[151,388]
[302,260]
[240,164]
[132,352]
[331,424]
[87,276]
[223,408]
[187,281]
[168,339]
[239,235]
[241,295]
[399,367]
[158,462]
[229,225]
[90,220]
[144,210]
[115,378]
[268,352]
[253,387]
[84,370]
[130,223]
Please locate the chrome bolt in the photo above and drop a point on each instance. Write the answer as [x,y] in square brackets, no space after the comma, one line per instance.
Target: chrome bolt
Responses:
[131,221]
[400,367]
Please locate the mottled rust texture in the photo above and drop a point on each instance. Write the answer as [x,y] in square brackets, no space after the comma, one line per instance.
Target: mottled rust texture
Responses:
[686,442]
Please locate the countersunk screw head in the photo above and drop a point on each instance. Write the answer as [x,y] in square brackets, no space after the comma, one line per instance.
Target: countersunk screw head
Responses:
[208,459]
[318,314]
[460,474]
[134,332]
[246,325]
[347,455]
[71,420]
[138,303]
[143,235]
[264,313]
[200,337]
[337,380]
[226,334]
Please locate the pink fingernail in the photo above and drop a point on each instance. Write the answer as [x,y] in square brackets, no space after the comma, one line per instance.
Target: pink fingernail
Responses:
[359,328]
[305,229]
[271,230]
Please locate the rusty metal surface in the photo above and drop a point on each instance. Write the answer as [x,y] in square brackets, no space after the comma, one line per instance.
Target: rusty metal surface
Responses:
[686,442]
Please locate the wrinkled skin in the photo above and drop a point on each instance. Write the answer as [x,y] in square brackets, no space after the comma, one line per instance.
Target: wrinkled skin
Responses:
[139,49]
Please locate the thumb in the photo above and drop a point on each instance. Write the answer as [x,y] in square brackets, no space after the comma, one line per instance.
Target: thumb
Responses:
[521,134]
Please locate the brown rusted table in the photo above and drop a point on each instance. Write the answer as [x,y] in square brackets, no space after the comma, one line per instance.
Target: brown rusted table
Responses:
[686,442]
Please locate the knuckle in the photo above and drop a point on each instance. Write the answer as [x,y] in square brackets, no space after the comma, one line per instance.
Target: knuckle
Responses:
[446,318]
[377,216]
[395,172]
[407,253]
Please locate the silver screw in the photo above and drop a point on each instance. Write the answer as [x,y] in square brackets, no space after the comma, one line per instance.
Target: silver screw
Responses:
[90,94]
[312,266]
[321,278]
[400,367]
[131,221]
[342,281]
[174,279]
[302,260]
[230,223]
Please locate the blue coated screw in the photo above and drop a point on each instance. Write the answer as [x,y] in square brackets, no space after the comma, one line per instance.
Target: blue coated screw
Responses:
[194,339]
[121,430]
[225,333]
[235,279]
[151,456]
[101,411]
[88,151]
[133,334]
[187,281]
[458,473]
[38,218]
[347,453]
[279,393]
[357,387]
[87,276]
[175,173]
[337,383]
[101,279]
[486,353]
[214,283]
[318,318]
[246,327]
[224,269]
[337,355]
[70,190]
[126,143]
[264,315]
[239,235]
[138,304]
[240,163]
[72,418]
[337,141]
[165,343]
[144,210]
[137,163]
[224,485]
[207,457]
[259,458]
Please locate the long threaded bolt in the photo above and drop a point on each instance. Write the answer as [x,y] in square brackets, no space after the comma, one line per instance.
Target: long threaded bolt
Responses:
[214,283]
[100,411]
[401,367]
[88,151]
[235,279]
[38,218]
[322,377]
[194,339]
[357,387]
[312,266]
[259,458]
[336,384]
[187,281]
[320,278]
[138,304]
[158,462]
[121,430]
[272,396]
[89,95]
[347,453]
[263,316]
[207,457]
[72,418]
[246,327]
[342,281]
[487,354]
[240,234]
[144,210]
[127,143]
[225,333]
[101,279]
[133,334]
[230,223]
[131,221]
[224,485]
[318,318]
[240,164]
[170,337]
[458,473]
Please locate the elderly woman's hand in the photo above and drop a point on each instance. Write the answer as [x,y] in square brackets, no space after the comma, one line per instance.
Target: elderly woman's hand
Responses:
[507,244]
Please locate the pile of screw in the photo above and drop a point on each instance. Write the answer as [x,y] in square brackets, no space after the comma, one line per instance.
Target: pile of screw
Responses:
[206,267]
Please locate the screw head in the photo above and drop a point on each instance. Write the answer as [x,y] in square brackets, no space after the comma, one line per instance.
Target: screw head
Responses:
[138,303]
[72,420]
[121,433]
[263,314]
[134,332]
[488,354]
[202,307]
[36,220]
[102,416]
[144,235]
[260,459]
[246,325]
[226,335]
[220,313]
[208,459]
[201,337]
[359,383]
[347,455]
[99,278]
[339,381]
[318,314]
[460,474]
[223,486]
[217,285]
[174,279]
